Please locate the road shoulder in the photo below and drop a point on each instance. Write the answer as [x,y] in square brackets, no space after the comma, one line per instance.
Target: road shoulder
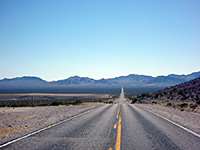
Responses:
[190,120]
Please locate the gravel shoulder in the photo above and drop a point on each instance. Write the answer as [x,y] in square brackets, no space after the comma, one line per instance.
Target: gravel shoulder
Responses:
[16,122]
[188,119]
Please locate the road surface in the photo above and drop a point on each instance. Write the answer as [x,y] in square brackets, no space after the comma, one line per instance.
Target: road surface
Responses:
[111,127]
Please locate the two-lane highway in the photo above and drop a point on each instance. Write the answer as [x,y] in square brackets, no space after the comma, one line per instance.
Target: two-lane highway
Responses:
[108,127]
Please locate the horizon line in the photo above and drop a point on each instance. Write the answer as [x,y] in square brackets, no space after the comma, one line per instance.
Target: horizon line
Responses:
[95,78]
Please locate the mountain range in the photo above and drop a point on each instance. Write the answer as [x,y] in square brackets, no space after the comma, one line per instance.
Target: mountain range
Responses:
[133,80]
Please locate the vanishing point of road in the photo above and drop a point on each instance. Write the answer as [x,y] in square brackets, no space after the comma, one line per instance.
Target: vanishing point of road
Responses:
[110,127]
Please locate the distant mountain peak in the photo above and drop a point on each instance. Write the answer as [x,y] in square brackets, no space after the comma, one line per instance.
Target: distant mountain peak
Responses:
[76,76]
[24,78]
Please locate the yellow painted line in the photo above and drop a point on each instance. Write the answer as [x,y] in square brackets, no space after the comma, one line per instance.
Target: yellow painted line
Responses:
[118,111]
[117,114]
[115,126]
[110,148]
[118,138]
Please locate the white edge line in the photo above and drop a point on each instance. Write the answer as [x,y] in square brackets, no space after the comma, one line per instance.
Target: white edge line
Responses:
[188,130]
[40,130]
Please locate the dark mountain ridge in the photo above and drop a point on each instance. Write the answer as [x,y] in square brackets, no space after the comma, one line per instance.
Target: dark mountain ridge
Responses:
[132,80]
[186,91]
[25,81]
[76,80]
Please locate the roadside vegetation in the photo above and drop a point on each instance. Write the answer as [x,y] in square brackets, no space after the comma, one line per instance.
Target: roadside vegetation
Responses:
[57,103]
[108,102]
[34,103]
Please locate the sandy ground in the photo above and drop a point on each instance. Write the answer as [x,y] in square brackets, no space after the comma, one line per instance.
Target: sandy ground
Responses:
[16,122]
[188,119]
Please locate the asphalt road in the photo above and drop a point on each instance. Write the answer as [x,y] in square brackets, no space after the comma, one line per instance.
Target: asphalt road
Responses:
[108,127]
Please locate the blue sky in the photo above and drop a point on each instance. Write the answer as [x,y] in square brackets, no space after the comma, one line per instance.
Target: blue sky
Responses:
[99,39]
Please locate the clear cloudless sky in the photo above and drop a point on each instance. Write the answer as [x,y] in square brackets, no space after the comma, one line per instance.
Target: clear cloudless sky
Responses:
[56,39]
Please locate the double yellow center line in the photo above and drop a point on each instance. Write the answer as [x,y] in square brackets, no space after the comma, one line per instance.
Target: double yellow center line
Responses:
[118,137]
[120,105]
